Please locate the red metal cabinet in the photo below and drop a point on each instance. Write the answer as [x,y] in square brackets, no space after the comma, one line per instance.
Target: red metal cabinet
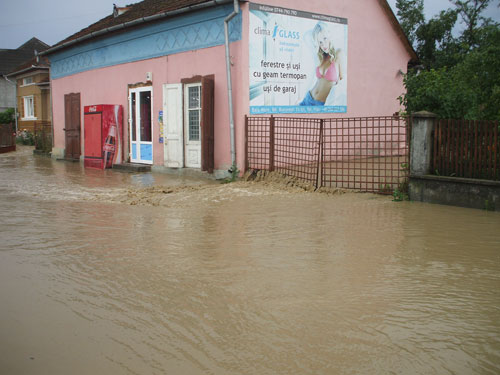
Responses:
[103,135]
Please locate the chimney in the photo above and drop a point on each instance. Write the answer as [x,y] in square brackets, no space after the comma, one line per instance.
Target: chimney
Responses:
[118,11]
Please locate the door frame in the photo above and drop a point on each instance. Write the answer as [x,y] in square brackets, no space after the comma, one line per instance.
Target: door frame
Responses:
[207,128]
[138,142]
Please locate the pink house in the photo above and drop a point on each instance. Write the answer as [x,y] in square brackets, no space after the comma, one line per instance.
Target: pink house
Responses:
[187,72]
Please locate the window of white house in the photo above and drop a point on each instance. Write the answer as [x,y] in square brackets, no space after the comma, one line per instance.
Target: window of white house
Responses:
[29,107]
[27,81]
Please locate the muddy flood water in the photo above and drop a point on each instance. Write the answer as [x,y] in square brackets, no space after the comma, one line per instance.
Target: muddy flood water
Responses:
[119,273]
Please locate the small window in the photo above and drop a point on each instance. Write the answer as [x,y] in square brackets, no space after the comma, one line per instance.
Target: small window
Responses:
[27,81]
[194,112]
[29,107]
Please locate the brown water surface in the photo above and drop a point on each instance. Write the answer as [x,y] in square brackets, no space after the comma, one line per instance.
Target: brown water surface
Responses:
[108,273]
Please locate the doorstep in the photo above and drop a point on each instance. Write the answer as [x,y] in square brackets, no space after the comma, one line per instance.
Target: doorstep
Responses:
[131,167]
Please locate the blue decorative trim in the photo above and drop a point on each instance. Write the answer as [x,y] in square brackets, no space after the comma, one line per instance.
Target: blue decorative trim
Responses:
[259,110]
[188,32]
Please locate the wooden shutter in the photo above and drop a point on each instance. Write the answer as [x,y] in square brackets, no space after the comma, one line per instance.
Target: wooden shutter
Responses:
[173,147]
[207,124]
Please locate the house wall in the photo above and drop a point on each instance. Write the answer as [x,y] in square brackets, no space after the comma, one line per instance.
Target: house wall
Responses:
[46,109]
[172,50]
[177,48]
[109,85]
[41,95]
[7,95]
[375,60]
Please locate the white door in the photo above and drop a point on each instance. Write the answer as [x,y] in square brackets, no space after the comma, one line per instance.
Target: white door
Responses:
[172,125]
[140,125]
[192,131]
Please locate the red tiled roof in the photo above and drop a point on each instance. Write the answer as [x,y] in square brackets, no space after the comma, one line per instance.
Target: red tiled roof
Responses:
[148,8]
[139,10]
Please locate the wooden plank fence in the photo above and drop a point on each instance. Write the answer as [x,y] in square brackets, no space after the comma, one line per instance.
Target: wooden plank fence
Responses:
[7,138]
[466,148]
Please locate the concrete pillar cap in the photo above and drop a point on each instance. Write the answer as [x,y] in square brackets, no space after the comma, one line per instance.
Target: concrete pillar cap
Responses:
[425,114]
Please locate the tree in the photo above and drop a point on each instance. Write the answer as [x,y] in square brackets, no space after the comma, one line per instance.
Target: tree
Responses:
[470,12]
[411,16]
[482,67]
[470,89]
[436,46]
[459,75]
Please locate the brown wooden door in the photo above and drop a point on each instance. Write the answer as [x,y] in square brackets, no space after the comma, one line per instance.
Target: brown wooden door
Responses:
[72,126]
[207,123]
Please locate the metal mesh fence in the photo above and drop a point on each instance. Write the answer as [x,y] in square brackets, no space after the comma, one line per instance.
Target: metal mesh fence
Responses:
[257,139]
[367,154]
[296,147]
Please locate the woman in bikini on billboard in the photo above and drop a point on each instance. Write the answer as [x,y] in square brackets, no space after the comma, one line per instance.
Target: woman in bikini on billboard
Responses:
[329,71]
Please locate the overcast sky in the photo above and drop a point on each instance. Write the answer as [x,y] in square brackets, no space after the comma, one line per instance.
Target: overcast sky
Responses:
[53,20]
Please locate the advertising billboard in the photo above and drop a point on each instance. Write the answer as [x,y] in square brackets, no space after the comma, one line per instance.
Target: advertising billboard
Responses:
[298,61]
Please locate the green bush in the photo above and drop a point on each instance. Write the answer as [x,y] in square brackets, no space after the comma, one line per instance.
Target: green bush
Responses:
[25,138]
[7,116]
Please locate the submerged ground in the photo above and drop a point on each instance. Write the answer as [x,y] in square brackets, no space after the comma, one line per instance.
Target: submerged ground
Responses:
[113,273]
